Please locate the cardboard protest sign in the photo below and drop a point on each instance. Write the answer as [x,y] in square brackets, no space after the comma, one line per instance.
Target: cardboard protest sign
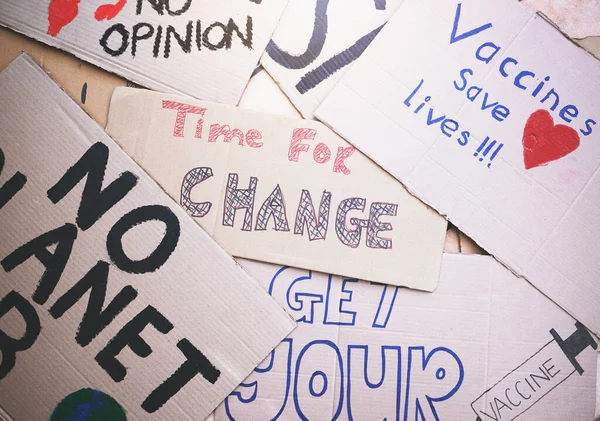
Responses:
[111,298]
[280,190]
[491,119]
[317,41]
[365,351]
[203,48]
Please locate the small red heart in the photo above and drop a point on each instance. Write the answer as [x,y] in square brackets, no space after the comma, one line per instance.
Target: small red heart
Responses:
[109,11]
[544,142]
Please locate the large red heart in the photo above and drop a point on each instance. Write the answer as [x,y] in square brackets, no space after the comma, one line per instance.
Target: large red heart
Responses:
[544,142]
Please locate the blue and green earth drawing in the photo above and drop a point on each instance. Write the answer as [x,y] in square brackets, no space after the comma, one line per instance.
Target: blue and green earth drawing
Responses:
[88,405]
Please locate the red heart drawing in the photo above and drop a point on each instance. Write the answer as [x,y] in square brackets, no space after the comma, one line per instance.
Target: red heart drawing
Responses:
[544,142]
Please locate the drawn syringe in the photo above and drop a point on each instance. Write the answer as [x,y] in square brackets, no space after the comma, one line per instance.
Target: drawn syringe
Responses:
[527,384]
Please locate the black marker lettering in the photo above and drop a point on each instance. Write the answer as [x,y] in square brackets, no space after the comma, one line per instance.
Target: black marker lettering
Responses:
[137,36]
[55,263]
[246,39]
[10,346]
[95,319]
[129,336]
[195,363]
[95,201]
[12,186]
[179,11]
[161,253]
[186,45]
[120,28]
[157,5]
[206,37]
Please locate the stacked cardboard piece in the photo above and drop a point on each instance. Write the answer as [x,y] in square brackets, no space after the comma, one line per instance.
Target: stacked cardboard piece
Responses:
[115,305]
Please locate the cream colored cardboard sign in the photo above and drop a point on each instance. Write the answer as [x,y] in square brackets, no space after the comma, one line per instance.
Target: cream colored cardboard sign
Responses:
[492,119]
[366,351]
[203,48]
[317,41]
[280,190]
[106,284]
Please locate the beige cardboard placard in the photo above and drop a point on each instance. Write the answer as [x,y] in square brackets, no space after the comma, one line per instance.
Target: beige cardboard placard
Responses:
[317,41]
[367,351]
[203,48]
[96,257]
[280,190]
[491,119]
[90,86]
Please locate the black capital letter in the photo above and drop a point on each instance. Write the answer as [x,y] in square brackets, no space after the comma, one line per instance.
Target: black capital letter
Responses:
[95,319]
[10,346]
[161,253]
[12,186]
[95,202]
[195,363]
[129,335]
[55,263]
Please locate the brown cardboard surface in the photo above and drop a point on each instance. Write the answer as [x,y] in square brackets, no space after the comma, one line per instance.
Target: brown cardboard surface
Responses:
[90,86]
[280,190]
[529,195]
[367,351]
[144,258]
[203,48]
[592,44]
[468,246]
